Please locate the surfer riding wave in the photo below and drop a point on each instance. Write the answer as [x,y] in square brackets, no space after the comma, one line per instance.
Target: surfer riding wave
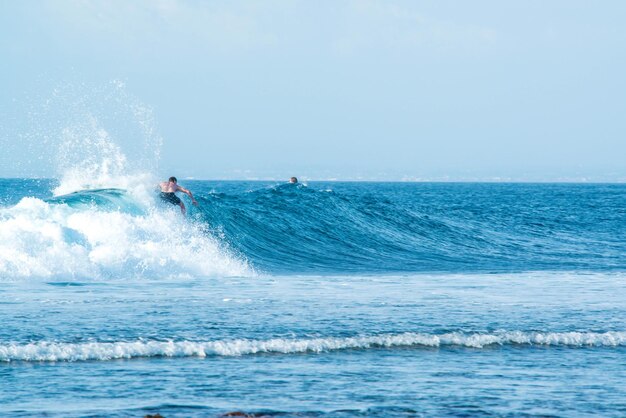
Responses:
[168,193]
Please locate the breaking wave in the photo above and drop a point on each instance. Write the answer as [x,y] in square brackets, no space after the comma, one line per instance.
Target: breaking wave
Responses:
[106,234]
[101,351]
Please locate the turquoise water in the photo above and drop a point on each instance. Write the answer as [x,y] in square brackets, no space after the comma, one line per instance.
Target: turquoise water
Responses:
[325,299]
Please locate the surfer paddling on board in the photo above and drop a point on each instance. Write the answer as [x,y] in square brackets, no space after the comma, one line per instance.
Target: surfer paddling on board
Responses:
[168,193]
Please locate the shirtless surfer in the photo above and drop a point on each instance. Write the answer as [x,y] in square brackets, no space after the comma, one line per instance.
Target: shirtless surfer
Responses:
[168,193]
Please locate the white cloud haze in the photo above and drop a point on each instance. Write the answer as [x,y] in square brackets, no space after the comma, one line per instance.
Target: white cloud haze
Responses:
[519,90]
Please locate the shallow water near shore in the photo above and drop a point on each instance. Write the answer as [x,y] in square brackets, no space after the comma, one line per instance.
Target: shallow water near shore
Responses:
[308,346]
[439,314]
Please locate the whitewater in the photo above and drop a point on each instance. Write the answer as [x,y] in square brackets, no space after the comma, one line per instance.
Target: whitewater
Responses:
[104,233]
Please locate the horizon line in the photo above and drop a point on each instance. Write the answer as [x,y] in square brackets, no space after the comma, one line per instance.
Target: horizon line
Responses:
[364,180]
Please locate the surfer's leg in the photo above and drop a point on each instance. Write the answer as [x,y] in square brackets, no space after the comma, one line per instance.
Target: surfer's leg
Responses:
[182,208]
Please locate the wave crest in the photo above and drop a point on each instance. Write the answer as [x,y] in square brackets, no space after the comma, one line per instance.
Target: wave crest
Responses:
[104,234]
[55,351]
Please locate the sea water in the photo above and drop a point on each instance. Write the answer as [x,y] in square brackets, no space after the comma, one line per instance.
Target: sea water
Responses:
[316,299]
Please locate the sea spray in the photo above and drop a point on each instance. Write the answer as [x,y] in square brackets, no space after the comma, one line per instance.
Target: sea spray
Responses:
[101,140]
[99,127]
[111,143]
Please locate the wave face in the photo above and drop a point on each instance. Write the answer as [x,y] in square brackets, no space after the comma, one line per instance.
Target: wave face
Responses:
[394,227]
[53,351]
[106,233]
[335,228]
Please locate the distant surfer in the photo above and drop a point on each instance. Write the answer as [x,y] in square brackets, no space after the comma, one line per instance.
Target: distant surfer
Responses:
[293,180]
[168,194]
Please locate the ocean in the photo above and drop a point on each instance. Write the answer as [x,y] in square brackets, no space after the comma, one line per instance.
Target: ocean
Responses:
[321,299]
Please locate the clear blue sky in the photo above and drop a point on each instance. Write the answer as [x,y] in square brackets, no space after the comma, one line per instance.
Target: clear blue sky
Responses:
[389,89]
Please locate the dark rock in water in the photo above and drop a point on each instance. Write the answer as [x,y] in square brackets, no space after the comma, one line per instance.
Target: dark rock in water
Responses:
[238,414]
[154,416]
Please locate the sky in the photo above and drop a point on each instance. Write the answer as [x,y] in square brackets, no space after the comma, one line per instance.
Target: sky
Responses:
[518,90]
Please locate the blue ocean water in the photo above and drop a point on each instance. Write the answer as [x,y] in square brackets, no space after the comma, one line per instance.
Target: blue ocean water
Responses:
[317,299]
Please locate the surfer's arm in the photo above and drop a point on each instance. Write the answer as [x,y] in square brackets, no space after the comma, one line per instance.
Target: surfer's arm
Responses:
[188,193]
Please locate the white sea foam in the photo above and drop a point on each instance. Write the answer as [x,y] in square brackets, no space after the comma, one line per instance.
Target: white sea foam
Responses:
[55,240]
[55,351]
[40,239]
